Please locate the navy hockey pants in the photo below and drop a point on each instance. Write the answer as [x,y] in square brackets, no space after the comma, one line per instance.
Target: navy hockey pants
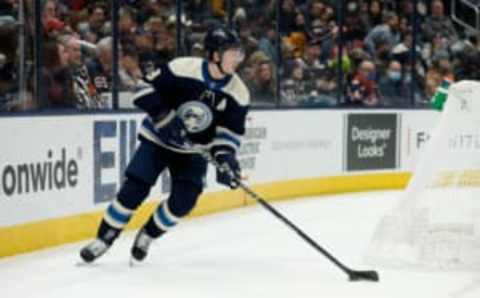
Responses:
[187,172]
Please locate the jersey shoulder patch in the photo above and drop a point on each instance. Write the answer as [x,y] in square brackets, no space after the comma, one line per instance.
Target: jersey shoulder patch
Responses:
[238,90]
[187,67]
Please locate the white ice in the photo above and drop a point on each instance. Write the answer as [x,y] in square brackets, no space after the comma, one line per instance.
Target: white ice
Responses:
[241,253]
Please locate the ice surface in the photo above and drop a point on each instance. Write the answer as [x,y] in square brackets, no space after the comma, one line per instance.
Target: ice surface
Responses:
[242,253]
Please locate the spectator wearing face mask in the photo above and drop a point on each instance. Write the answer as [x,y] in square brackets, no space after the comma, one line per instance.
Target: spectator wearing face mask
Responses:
[392,89]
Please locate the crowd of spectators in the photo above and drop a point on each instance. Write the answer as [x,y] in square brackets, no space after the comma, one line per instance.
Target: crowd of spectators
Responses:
[376,52]
[371,66]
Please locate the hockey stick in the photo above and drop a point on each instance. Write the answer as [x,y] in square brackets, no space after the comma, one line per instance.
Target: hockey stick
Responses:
[353,275]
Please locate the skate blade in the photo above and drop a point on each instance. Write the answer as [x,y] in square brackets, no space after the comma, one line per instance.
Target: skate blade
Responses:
[82,263]
[133,262]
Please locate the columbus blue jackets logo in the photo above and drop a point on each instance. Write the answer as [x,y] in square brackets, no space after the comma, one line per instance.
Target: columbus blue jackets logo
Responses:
[196,116]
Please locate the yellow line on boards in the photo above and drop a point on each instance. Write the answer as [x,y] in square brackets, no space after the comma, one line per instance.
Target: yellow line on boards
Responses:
[33,236]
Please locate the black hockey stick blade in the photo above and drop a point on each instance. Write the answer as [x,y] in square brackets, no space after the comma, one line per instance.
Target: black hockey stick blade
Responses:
[370,275]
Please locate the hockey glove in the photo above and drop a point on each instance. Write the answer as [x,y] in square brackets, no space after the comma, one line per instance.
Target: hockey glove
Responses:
[171,130]
[228,170]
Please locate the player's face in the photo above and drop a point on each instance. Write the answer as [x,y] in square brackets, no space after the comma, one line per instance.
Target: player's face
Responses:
[231,59]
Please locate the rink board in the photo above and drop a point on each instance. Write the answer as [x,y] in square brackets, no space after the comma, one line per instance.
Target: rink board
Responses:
[58,173]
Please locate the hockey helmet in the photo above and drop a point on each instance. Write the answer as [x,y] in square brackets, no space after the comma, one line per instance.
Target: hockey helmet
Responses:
[220,39]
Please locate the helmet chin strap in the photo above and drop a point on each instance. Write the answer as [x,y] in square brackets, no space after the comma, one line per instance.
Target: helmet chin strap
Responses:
[219,64]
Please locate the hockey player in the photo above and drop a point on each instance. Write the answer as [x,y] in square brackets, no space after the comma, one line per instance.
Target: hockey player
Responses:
[193,104]
[441,93]
[440,97]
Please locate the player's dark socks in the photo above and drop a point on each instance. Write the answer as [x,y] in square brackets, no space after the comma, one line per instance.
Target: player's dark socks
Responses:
[152,229]
[107,232]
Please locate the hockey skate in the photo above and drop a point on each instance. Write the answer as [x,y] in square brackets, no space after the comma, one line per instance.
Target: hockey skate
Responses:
[140,246]
[94,250]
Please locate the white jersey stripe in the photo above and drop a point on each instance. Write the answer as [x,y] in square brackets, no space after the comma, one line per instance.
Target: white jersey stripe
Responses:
[143,92]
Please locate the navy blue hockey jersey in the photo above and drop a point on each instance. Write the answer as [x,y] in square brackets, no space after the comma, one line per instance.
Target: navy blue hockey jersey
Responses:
[213,111]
